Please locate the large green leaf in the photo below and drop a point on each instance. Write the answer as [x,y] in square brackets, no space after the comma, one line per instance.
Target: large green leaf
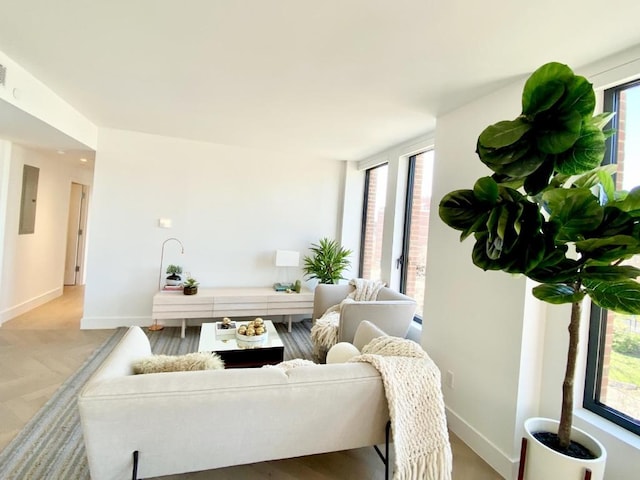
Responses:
[631,202]
[621,296]
[559,135]
[609,249]
[517,160]
[579,96]
[574,210]
[461,208]
[565,270]
[557,293]
[614,222]
[503,134]
[480,224]
[593,244]
[486,190]
[586,154]
[544,87]
[611,273]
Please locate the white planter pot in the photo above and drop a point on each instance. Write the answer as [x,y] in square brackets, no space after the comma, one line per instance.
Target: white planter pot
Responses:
[544,463]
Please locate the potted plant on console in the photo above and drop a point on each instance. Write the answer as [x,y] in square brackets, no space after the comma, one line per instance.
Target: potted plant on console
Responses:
[550,211]
[328,262]
[174,278]
[190,286]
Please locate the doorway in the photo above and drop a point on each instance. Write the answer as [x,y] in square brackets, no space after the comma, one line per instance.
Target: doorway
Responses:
[76,227]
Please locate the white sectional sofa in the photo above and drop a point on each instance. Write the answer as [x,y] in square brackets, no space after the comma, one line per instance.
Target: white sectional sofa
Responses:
[190,421]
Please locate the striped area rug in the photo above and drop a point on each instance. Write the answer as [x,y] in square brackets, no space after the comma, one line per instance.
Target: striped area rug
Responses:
[51,447]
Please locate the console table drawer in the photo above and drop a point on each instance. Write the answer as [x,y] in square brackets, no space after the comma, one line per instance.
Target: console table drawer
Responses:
[183,313]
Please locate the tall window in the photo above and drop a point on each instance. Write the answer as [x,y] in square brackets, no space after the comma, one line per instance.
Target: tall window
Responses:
[613,365]
[375,197]
[414,255]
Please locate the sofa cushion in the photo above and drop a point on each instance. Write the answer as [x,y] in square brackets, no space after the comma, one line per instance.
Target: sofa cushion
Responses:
[366,332]
[178,363]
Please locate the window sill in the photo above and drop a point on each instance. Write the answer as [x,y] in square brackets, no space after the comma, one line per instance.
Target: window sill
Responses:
[607,427]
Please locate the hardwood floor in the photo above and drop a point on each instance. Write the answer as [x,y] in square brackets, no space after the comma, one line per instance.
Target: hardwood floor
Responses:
[40,349]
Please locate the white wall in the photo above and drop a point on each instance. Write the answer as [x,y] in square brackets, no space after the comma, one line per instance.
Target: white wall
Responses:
[230,207]
[33,264]
[473,319]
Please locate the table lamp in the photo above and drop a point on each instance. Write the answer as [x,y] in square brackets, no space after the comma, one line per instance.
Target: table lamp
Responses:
[286,259]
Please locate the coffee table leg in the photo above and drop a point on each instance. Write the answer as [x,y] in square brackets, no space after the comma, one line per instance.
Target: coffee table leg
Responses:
[288,317]
[184,325]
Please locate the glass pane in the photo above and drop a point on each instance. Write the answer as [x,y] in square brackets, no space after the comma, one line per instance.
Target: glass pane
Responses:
[620,385]
[416,256]
[376,198]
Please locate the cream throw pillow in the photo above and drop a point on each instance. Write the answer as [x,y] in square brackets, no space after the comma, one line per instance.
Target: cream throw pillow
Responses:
[342,352]
[178,363]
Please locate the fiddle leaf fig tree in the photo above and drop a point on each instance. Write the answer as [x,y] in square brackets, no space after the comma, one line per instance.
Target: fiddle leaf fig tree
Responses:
[550,211]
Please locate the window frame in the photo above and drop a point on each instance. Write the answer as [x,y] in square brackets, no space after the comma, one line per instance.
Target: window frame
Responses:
[598,316]
[406,231]
[365,206]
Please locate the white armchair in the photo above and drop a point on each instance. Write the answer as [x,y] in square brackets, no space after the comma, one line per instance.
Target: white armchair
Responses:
[392,311]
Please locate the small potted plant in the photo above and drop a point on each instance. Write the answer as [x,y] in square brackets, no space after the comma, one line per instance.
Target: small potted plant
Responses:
[174,277]
[328,261]
[190,286]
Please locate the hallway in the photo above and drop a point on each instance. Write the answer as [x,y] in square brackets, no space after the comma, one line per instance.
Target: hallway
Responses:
[39,350]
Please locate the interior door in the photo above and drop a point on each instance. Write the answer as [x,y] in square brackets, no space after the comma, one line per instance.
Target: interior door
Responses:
[75,235]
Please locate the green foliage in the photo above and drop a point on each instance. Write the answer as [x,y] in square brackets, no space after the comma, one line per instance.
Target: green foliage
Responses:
[626,343]
[548,192]
[174,269]
[190,282]
[328,261]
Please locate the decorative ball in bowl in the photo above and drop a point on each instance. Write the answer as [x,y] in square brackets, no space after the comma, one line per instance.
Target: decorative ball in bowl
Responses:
[253,331]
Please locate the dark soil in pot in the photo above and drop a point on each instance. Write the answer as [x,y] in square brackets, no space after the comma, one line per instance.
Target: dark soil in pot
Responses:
[575,450]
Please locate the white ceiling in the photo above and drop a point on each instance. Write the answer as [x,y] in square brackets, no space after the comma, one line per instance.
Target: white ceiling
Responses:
[337,79]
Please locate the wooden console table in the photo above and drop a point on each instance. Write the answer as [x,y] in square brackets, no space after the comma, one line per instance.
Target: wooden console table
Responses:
[230,302]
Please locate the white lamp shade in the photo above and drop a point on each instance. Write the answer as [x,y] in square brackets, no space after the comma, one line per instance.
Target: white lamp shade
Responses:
[287,258]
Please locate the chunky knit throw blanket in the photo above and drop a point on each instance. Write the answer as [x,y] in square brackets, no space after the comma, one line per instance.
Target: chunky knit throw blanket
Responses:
[324,333]
[416,408]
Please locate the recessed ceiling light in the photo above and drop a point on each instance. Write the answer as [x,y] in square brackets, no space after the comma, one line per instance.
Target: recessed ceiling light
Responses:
[60,152]
[83,160]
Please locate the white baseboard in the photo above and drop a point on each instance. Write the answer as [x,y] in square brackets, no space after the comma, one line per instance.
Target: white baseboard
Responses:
[30,304]
[99,323]
[490,453]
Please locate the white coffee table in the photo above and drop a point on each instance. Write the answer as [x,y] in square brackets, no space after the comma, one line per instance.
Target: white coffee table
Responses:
[237,353]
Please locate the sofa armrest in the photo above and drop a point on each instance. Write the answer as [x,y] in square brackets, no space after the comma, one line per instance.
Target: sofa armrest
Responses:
[393,317]
[131,347]
[326,296]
